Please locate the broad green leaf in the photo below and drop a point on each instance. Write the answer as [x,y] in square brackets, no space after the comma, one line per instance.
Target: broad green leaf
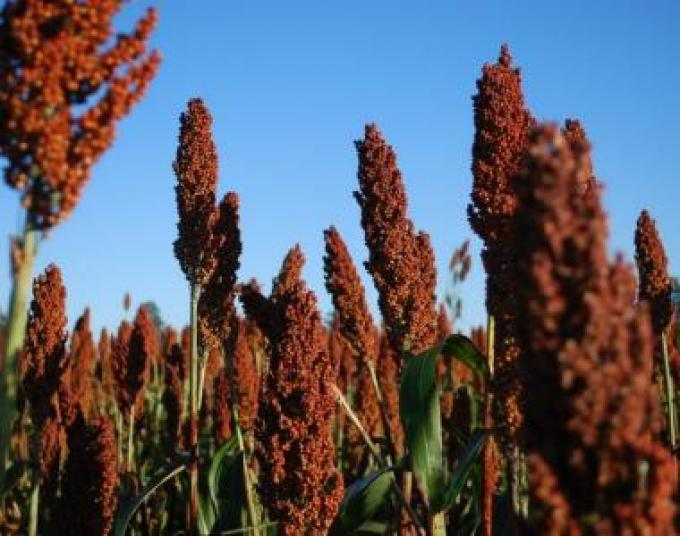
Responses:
[420,416]
[128,508]
[206,515]
[371,528]
[461,348]
[362,500]
[465,464]
[230,493]
[226,450]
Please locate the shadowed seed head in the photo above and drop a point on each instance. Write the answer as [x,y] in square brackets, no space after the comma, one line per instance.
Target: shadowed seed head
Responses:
[90,484]
[593,414]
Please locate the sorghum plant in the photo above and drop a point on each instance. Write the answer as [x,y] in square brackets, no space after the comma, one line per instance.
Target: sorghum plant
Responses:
[299,486]
[592,411]
[46,383]
[65,81]
[655,289]
[196,169]
[502,124]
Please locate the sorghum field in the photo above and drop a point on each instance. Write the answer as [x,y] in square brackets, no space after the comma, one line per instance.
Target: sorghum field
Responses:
[261,416]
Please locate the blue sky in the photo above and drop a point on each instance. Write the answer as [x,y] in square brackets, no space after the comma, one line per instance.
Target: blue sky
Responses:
[291,84]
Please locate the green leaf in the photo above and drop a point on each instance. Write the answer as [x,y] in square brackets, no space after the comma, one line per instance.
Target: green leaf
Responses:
[226,450]
[465,464]
[206,515]
[128,508]
[420,416]
[362,500]
[461,348]
[371,528]
[226,483]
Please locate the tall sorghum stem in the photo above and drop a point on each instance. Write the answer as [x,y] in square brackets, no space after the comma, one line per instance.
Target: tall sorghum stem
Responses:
[131,440]
[34,510]
[16,329]
[670,394]
[383,410]
[193,410]
[488,462]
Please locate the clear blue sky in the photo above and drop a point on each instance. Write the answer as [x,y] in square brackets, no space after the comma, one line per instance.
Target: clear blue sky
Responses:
[291,84]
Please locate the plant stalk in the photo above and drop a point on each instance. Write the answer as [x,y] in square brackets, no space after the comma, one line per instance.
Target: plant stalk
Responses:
[192,513]
[670,394]
[488,461]
[16,328]
[131,440]
[33,510]
[383,410]
[437,525]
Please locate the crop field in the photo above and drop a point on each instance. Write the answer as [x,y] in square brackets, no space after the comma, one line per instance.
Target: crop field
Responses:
[264,414]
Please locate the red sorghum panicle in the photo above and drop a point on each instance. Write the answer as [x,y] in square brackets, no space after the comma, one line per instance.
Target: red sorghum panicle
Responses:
[217,314]
[65,81]
[222,408]
[142,347]
[196,169]
[654,283]
[345,358]
[400,261]
[90,484]
[502,123]
[106,392]
[45,370]
[300,486]
[388,367]
[592,413]
[82,362]
[345,287]
[576,136]
[246,377]
[173,397]
[120,349]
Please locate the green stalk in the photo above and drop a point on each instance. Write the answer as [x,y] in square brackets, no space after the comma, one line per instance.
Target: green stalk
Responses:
[119,435]
[33,510]
[487,453]
[202,365]
[670,394]
[437,525]
[16,328]
[383,411]
[131,439]
[193,411]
